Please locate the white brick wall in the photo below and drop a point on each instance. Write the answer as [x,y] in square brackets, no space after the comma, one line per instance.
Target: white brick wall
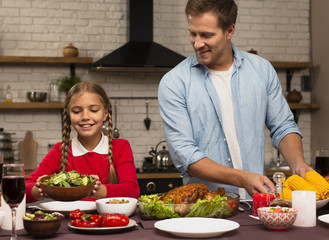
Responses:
[278,30]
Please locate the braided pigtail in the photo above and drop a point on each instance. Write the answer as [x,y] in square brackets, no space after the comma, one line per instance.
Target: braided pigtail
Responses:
[65,139]
[113,178]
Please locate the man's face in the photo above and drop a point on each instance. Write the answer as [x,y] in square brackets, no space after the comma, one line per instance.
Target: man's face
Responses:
[211,45]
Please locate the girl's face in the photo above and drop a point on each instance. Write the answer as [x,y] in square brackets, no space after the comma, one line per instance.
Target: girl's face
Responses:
[87,114]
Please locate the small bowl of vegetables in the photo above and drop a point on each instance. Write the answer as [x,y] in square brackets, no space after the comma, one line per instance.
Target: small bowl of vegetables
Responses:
[67,186]
[120,205]
[40,224]
[277,218]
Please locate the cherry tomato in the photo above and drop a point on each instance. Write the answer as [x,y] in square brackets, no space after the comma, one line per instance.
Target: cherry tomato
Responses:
[114,220]
[233,204]
[278,210]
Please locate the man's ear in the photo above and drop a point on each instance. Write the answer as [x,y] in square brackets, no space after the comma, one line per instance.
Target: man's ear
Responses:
[230,31]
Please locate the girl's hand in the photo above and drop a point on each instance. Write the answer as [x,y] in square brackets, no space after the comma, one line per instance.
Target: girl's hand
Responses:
[37,192]
[97,187]
[99,190]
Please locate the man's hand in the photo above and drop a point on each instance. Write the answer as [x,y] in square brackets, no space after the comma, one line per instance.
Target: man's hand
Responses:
[255,183]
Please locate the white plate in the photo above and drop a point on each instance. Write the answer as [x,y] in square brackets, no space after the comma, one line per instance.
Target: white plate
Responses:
[131,223]
[324,218]
[319,204]
[196,227]
[67,207]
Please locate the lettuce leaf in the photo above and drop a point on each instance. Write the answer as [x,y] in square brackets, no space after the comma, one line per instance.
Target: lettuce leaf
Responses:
[218,207]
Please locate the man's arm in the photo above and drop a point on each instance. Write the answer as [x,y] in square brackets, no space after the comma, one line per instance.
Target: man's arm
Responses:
[210,171]
[291,149]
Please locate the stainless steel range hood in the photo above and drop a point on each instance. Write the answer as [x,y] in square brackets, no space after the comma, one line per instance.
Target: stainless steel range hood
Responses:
[140,53]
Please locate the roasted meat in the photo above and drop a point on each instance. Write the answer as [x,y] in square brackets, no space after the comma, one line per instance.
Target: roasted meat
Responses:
[189,193]
[210,195]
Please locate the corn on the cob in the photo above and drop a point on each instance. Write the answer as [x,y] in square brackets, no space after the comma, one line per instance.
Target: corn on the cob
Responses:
[287,193]
[298,183]
[286,183]
[321,185]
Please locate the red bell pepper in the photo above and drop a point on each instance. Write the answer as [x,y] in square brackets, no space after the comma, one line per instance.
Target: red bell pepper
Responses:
[85,220]
[76,214]
[114,220]
[76,222]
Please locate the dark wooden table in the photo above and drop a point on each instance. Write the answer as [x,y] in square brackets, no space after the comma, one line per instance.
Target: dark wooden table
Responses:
[249,229]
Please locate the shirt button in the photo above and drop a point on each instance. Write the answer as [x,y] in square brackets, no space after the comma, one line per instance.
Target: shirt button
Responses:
[224,139]
[229,159]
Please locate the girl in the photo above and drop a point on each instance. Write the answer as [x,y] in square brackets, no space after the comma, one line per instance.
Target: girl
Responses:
[86,108]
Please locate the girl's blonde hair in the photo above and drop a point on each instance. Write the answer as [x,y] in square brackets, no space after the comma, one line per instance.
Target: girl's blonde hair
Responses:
[90,87]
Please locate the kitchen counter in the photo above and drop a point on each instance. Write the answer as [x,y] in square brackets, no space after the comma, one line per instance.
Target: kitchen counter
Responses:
[270,172]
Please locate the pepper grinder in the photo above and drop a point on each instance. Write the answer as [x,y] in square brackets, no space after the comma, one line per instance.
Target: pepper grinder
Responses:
[278,178]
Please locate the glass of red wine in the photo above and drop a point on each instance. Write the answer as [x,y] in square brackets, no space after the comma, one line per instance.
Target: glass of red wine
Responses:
[1,164]
[322,162]
[13,190]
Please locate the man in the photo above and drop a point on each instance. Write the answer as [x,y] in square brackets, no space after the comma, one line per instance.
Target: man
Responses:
[214,105]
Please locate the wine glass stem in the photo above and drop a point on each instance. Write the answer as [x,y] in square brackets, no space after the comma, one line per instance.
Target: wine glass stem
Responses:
[13,233]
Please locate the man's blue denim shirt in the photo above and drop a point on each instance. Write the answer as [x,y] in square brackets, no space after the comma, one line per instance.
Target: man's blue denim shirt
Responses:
[191,114]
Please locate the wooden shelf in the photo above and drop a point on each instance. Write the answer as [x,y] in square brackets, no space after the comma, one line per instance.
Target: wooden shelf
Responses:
[86,60]
[60,105]
[48,60]
[300,106]
[31,105]
[71,61]
[291,65]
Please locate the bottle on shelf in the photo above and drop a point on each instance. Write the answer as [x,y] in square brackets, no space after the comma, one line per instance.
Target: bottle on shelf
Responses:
[54,91]
[8,95]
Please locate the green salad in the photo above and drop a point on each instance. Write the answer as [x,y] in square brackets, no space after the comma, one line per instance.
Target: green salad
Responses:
[69,179]
[41,216]
[153,208]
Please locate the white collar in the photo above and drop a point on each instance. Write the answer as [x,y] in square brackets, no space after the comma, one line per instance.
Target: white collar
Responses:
[78,149]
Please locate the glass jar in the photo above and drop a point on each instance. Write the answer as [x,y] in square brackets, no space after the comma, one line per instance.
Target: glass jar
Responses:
[54,91]
[275,198]
[8,95]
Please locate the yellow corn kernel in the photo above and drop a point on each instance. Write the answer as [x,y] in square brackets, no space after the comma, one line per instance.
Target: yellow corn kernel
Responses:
[287,193]
[321,185]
